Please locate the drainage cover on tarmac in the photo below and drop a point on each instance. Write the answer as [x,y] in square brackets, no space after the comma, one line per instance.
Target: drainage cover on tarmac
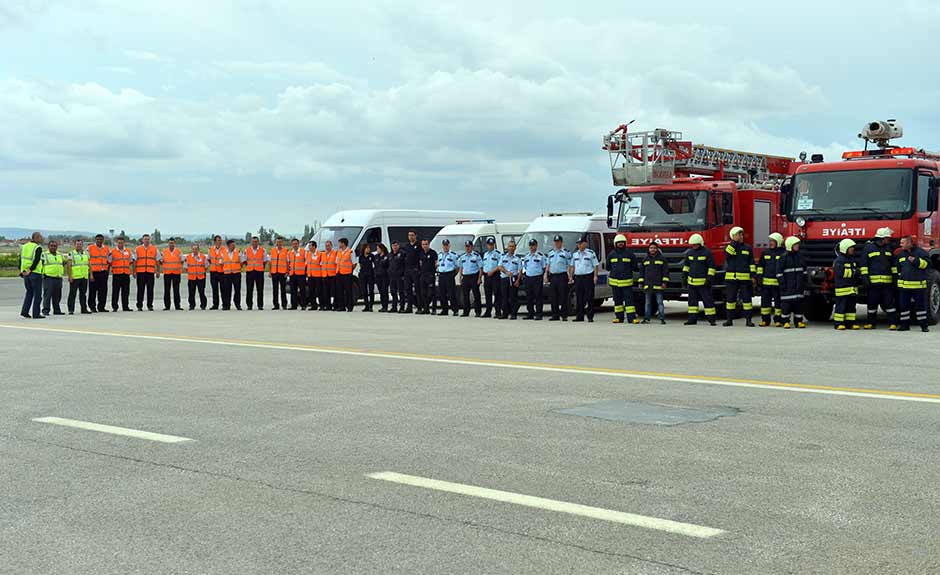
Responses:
[649,413]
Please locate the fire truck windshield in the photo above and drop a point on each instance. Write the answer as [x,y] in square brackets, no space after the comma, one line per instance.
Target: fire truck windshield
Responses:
[865,194]
[664,210]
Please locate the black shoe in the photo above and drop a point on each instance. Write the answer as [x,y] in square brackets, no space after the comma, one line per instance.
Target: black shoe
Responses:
[102,311]
[238,307]
[513,316]
[590,320]
[924,329]
[690,322]
[538,318]
[554,319]
[191,308]
[728,323]
[94,311]
[645,321]
[149,309]
[477,314]
[904,328]
[26,315]
[128,309]
[487,314]
[249,308]
[662,321]
[39,317]
[58,313]
[166,309]
[442,313]
[528,317]
[85,312]
[260,308]
[276,307]
[712,323]
[71,313]
[213,307]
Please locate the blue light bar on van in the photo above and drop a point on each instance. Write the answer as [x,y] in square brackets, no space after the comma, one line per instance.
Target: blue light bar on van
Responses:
[476,221]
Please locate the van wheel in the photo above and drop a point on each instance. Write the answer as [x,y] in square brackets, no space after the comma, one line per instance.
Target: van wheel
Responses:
[933,297]
[817,308]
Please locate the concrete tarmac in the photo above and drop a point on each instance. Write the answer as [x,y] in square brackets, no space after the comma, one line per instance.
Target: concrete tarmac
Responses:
[823,460]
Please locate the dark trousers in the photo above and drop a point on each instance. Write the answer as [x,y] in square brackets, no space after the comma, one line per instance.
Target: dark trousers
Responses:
[121,289]
[426,300]
[883,295]
[51,295]
[231,291]
[171,282]
[623,303]
[770,303]
[78,288]
[382,283]
[345,290]
[144,282]
[792,304]
[412,286]
[327,288]
[704,295]
[279,287]
[845,310]
[471,285]
[215,282]
[558,284]
[491,290]
[367,287]
[98,291]
[314,287]
[197,286]
[396,289]
[298,291]
[509,294]
[739,290]
[913,303]
[533,296]
[584,296]
[447,286]
[254,282]
[32,301]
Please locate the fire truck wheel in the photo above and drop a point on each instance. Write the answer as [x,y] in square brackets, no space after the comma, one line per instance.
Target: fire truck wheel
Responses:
[933,296]
[817,308]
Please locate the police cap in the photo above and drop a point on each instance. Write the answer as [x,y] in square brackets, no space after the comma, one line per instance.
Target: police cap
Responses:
[583,240]
[468,243]
[490,242]
[533,242]
[558,238]
[446,242]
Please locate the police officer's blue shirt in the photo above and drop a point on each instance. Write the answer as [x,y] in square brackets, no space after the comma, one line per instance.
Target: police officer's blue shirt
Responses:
[534,264]
[491,260]
[511,263]
[469,264]
[558,261]
[446,262]
[584,262]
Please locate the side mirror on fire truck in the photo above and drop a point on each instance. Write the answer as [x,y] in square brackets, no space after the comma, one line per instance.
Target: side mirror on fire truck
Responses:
[786,191]
[610,211]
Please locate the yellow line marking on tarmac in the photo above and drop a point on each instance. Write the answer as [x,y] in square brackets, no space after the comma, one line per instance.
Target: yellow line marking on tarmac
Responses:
[604,371]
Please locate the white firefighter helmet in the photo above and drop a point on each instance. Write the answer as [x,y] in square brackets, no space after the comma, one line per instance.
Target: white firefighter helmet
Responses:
[883,233]
[845,244]
[735,231]
[697,240]
[620,238]
[777,238]
[790,242]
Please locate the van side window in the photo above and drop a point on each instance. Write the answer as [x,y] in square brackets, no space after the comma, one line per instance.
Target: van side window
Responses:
[727,201]
[923,184]
[373,236]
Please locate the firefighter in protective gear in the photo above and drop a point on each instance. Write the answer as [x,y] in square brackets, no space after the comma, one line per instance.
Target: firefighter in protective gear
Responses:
[913,266]
[739,267]
[847,277]
[767,267]
[621,263]
[879,272]
[791,275]
[698,272]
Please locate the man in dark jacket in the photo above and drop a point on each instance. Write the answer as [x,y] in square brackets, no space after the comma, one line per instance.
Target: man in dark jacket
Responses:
[739,267]
[878,272]
[621,263]
[791,275]
[654,277]
[767,267]
[847,276]
[698,272]
[913,266]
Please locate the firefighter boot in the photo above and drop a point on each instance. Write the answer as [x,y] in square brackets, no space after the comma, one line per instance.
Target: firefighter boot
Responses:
[778,317]
[728,322]
[872,320]
[764,320]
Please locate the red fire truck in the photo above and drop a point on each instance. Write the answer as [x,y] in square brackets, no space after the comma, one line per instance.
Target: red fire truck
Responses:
[882,186]
[671,189]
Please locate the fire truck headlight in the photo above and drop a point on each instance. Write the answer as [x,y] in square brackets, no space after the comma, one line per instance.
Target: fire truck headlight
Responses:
[800,221]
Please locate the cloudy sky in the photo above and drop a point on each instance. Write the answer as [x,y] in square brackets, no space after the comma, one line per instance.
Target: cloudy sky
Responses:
[223,115]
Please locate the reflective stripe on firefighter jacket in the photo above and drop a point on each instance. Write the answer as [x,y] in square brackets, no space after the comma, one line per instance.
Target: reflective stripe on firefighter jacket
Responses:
[698,267]
[792,276]
[196,266]
[254,259]
[120,262]
[846,276]
[769,264]
[172,262]
[654,272]
[98,257]
[146,261]
[279,260]
[913,275]
[621,265]
[878,264]
[739,262]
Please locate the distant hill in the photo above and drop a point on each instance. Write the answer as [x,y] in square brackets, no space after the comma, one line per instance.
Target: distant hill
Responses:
[16,233]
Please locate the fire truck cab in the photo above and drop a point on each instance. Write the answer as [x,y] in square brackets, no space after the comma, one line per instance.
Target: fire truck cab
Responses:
[886,186]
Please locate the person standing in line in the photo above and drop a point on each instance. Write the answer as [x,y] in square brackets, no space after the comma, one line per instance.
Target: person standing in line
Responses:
[469,272]
[913,263]
[297,269]
[654,278]
[447,278]
[621,263]
[381,275]
[215,269]
[491,279]
[739,270]
[367,276]
[847,278]
[195,265]
[315,274]
[791,274]
[510,273]
[119,262]
[255,259]
[583,270]
[144,261]
[53,269]
[412,277]
[534,265]
[278,271]
[427,266]
[98,278]
[698,272]
[559,260]
[77,269]
[879,272]
[231,276]
[328,291]
[396,278]
[767,267]
[170,264]
[344,274]
[31,272]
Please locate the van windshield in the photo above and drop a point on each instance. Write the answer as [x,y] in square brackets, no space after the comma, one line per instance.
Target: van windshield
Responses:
[546,240]
[334,233]
[676,210]
[456,241]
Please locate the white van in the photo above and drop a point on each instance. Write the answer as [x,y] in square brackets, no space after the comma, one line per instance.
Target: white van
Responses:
[385,226]
[478,232]
[571,226]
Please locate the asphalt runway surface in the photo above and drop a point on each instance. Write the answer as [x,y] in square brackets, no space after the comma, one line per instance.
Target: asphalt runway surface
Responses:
[317,442]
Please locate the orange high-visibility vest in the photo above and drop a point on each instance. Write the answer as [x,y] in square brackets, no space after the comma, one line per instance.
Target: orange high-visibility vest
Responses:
[120,262]
[231,262]
[215,259]
[314,264]
[279,260]
[344,261]
[98,257]
[146,259]
[172,262]
[254,259]
[329,264]
[298,262]
[195,266]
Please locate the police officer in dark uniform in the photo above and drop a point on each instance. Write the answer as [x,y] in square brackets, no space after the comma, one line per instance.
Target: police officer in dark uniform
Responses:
[427,267]
[396,278]
[412,276]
